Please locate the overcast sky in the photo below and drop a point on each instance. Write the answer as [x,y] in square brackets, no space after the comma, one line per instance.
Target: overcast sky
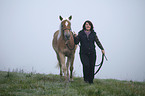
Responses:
[27,28]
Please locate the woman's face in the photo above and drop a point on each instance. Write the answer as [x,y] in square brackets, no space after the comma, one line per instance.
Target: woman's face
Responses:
[87,26]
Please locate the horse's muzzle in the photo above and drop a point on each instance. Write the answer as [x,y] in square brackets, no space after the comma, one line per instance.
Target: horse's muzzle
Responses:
[67,37]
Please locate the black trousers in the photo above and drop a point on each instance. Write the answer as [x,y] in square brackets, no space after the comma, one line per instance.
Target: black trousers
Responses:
[88,62]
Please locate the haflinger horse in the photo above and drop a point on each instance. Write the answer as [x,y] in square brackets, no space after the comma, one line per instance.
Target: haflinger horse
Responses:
[64,46]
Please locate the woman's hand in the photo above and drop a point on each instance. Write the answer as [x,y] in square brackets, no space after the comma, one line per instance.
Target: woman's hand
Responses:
[103,51]
[74,34]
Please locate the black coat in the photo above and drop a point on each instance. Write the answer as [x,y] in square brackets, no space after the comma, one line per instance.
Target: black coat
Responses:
[87,45]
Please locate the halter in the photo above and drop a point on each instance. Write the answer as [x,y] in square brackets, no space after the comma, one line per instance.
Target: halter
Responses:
[67,29]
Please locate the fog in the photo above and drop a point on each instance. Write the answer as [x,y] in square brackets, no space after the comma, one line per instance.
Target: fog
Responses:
[27,28]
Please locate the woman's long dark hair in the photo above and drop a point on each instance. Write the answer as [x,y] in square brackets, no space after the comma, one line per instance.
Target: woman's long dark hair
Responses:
[90,23]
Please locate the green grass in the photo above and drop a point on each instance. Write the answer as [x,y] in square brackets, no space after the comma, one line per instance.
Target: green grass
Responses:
[24,84]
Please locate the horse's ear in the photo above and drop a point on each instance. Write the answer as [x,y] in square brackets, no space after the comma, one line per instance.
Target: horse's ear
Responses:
[60,18]
[70,17]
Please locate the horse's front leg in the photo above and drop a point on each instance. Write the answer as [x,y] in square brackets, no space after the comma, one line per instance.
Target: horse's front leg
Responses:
[62,62]
[67,66]
[60,66]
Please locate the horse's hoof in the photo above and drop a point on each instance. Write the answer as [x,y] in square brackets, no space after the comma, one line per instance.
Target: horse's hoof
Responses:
[71,80]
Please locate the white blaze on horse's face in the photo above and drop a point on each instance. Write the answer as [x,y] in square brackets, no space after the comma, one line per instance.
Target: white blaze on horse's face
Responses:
[66,23]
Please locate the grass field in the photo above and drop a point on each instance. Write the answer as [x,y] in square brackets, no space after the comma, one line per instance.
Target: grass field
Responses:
[29,84]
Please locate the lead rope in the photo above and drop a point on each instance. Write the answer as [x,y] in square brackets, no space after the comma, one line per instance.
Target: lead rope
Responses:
[68,46]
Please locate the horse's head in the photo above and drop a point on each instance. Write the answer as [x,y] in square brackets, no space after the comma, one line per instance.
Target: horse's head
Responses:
[65,27]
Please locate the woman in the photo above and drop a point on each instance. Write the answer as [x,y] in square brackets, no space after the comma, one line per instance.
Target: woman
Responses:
[87,36]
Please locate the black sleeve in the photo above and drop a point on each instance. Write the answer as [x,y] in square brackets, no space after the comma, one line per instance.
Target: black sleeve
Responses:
[98,42]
